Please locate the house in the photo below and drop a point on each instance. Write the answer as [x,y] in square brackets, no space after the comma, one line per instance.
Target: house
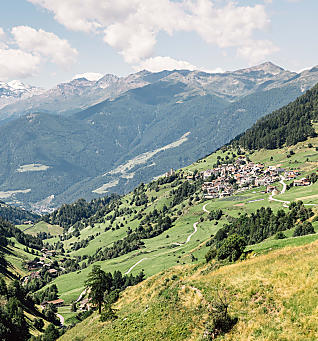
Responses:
[280,170]
[32,265]
[56,303]
[290,176]
[270,189]
[302,182]
[84,304]
[53,272]
[206,174]
[170,173]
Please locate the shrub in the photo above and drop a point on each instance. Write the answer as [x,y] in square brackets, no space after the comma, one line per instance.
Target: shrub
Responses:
[211,254]
[220,322]
[303,229]
[231,248]
[108,314]
[280,235]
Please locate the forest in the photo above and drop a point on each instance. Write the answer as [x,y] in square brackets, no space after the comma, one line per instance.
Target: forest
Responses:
[16,215]
[69,214]
[230,241]
[286,126]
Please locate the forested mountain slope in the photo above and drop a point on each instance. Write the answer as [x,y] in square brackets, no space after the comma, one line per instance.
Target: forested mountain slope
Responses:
[16,215]
[48,160]
[288,125]
[171,221]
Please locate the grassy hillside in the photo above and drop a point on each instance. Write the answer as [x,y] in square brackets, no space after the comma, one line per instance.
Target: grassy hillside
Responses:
[169,248]
[41,226]
[274,297]
[167,222]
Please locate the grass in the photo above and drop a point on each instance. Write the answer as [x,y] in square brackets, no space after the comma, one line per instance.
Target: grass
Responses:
[271,300]
[15,257]
[41,226]
[159,253]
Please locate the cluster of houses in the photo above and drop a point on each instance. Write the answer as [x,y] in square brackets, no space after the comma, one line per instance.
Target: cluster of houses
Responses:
[227,179]
[40,266]
[171,172]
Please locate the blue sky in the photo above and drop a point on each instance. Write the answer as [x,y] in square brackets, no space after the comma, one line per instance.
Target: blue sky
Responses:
[45,42]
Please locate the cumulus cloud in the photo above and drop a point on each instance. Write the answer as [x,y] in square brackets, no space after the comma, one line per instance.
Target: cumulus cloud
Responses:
[44,43]
[255,51]
[17,64]
[159,63]
[3,45]
[91,76]
[132,26]
[24,49]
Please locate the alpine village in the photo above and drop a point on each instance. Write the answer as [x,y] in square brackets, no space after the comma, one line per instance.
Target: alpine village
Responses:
[171,204]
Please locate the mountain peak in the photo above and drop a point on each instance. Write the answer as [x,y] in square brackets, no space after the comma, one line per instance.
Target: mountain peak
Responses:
[17,85]
[266,67]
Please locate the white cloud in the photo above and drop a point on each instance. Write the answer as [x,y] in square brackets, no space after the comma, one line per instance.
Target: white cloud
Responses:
[3,45]
[159,63]
[217,70]
[44,43]
[91,76]
[256,51]
[23,52]
[132,26]
[17,64]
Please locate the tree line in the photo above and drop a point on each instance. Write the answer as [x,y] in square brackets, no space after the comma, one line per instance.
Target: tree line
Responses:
[69,214]
[286,126]
[230,241]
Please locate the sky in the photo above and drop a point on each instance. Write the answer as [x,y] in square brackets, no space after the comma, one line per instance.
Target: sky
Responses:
[46,42]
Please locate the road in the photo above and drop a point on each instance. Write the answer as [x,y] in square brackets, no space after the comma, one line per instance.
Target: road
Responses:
[81,295]
[285,202]
[204,209]
[61,319]
[126,273]
[195,227]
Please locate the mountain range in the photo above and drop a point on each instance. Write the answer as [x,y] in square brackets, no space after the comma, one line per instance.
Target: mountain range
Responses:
[86,138]
[15,91]
[81,93]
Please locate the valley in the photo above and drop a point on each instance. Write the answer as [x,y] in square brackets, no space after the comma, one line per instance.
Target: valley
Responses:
[174,234]
[158,170]
[184,243]
[68,155]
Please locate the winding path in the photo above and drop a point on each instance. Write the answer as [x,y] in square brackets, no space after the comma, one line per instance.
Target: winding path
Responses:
[204,209]
[61,319]
[195,227]
[195,230]
[285,202]
[127,272]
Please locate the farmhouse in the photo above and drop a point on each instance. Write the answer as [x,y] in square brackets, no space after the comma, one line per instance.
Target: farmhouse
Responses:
[56,303]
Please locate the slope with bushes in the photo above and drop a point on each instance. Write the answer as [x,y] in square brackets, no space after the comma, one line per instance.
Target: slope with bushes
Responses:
[264,296]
